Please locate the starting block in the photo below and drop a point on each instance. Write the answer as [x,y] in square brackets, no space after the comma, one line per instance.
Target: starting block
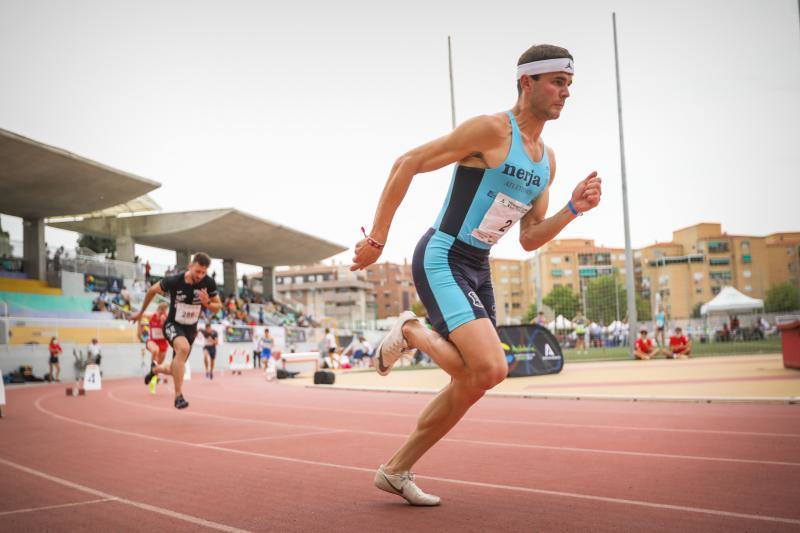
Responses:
[92,379]
[76,391]
[239,360]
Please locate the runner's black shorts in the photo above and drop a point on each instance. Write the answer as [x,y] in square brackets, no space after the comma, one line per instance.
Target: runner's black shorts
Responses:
[212,351]
[173,330]
[453,281]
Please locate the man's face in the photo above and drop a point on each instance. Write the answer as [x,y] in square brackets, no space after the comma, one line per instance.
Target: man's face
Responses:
[198,272]
[549,93]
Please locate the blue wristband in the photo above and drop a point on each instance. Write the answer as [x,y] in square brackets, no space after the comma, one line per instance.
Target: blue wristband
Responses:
[572,209]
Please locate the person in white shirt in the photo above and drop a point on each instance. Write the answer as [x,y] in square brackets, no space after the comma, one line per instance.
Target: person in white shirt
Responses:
[329,343]
[93,352]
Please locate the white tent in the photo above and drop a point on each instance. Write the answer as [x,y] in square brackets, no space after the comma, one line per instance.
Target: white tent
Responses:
[729,300]
[559,323]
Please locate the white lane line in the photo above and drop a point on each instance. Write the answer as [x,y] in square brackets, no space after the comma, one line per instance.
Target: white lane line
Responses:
[273,437]
[514,422]
[60,506]
[145,506]
[500,444]
[515,488]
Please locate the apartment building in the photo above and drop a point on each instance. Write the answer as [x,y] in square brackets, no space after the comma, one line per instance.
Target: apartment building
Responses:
[328,292]
[393,286]
[701,259]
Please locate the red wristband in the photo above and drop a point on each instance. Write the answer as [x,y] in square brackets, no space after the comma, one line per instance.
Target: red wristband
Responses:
[372,242]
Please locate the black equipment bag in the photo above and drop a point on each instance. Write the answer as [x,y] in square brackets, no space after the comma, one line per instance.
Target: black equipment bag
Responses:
[324,377]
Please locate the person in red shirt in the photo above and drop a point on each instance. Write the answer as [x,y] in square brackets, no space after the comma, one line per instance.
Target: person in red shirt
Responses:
[644,347]
[156,343]
[680,346]
[55,351]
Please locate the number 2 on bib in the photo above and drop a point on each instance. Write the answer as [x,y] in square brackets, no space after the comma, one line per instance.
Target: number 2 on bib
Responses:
[503,213]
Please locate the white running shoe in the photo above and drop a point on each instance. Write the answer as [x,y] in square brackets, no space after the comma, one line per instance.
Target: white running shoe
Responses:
[403,485]
[393,345]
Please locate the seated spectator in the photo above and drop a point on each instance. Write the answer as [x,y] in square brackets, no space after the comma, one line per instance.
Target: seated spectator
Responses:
[360,350]
[680,346]
[644,348]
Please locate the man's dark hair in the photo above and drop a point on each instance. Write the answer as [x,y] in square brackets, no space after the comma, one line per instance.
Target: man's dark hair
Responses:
[202,259]
[540,52]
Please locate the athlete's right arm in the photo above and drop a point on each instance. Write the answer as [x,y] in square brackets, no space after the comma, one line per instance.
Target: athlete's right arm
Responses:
[154,289]
[479,134]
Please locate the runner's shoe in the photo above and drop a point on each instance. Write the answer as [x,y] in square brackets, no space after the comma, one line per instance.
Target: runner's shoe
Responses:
[393,346]
[180,402]
[148,378]
[403,485]
[153,383]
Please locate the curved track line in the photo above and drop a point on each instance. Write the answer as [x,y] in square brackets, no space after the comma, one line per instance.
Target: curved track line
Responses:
[515,488]
[512,422]
[147,507]
[471,441]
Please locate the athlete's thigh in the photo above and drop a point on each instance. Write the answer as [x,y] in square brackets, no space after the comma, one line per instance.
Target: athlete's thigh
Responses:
[486,295]
[181,347]
[480,346]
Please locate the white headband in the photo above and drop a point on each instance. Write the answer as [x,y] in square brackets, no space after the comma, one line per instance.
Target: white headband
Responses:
[562,64]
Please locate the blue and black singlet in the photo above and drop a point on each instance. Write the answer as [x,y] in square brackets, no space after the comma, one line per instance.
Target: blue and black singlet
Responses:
[451,261]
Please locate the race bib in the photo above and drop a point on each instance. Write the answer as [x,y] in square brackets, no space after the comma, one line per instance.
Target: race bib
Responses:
[187,314]
[504,213]
[156,334]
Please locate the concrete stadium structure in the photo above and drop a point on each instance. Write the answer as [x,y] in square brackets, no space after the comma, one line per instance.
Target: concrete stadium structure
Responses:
[38,181]
[45,185]
[229,234]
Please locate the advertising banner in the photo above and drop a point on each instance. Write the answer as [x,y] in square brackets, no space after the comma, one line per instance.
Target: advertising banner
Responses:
[531,350]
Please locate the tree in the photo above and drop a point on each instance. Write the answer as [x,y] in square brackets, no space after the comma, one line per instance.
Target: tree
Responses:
[782,297]
[99,245]
[530,314]
[604,294]
[696,310]
[604,301]
[605,297]
[563,302]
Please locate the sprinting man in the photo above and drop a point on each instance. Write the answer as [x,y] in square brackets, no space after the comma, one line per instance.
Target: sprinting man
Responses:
[189,291]
[209,349]
[503,174]
[157,344]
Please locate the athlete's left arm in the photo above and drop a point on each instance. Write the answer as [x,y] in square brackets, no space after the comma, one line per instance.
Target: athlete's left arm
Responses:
[536,230]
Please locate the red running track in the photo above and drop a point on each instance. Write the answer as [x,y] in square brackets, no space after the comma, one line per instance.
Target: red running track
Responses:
[258,456]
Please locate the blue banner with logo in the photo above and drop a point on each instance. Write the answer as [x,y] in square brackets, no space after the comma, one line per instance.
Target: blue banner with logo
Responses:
[531,350]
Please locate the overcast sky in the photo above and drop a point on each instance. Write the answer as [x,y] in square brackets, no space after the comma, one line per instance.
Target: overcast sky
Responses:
[295,112]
